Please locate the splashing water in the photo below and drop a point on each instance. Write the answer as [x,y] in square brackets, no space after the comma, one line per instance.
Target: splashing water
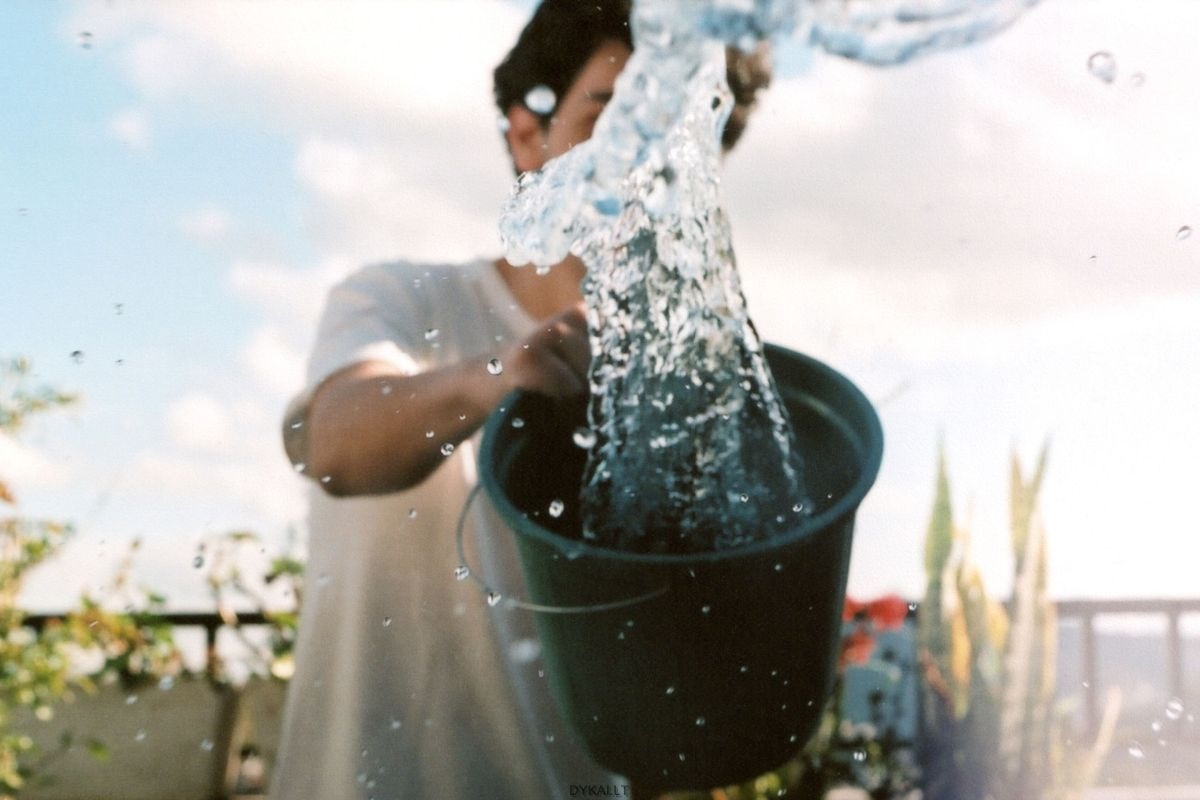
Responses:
[681,395]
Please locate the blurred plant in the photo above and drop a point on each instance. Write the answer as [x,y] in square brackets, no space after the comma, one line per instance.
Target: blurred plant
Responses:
[44,665]
[231,587]
[131,646]
[34,669]
[990,728]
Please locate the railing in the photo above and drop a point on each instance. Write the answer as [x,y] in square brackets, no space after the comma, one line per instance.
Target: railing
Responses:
[1086,612]
[229,762]
[209,621]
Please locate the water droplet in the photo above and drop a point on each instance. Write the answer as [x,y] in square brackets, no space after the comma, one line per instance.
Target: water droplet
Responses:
[206,745]
[745,498]
[385,389]
[517,422]
[1093,258]
[1184,232]
[793,738]
[431,334]
[77,356]
[584,437]
[682,757]
[1174,708]
[22,212]
[700,722]
[85,40]
[541,270]
[798,507]
[140,736]
[494,366]
[744,669]
[395,724]
[131,699]
[1135,750]
[670,690]
[198,562]
[447,449]
[326,478]
[323,579]
[912,607]
[779,567]
[1102,65]
[428,434]
[705,609]
[1137,79]
[493,598]
[119,308]
[540,99]
[299,466]
[462,572]
[1156,726]
[166,683]
[502,124]
[297,425]
[412,513]
[556,508]
[860,754]
[387,622]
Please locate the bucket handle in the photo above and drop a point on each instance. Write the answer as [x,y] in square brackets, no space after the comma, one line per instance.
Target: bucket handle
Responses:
[512,602]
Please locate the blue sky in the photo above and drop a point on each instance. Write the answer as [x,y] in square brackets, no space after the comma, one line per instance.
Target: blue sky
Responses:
[929,230]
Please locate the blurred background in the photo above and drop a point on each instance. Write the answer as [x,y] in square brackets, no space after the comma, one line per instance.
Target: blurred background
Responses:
[994,243]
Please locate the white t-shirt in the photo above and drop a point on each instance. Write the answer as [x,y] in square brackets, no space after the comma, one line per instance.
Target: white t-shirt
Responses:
[407,684]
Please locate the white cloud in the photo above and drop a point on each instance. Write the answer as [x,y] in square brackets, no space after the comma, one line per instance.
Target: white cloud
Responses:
[289,295]
[161,65]
[199,422]
[274,361]
[22,466]
[207,223]
[131,128]
[263,487]
[336,169]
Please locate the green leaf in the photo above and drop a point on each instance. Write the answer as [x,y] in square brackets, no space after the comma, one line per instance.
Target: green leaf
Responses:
[98,750]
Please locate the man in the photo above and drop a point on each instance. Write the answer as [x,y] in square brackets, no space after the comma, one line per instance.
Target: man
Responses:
[407,684]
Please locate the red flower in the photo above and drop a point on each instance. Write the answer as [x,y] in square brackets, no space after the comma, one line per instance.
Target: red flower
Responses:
[886,613]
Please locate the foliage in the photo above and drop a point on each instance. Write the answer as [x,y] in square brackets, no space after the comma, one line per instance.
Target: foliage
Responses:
[39,664]
[34,672]
[231,587]
[990,727]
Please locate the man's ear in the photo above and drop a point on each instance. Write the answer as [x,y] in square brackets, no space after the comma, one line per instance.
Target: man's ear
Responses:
[526,139]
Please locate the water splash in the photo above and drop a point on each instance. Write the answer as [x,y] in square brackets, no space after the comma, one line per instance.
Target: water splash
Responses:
[681,397]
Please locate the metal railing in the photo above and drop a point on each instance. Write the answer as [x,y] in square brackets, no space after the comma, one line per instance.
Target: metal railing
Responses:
[1086,611]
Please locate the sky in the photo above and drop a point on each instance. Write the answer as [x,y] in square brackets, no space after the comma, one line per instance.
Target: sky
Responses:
[986,241]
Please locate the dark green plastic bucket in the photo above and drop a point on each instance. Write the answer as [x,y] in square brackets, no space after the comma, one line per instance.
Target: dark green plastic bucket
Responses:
[723,672]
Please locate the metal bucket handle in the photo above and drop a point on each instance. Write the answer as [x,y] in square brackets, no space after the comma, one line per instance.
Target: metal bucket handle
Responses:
[512,602]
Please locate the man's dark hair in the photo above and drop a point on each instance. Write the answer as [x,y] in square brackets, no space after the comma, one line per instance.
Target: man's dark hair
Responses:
[556,44]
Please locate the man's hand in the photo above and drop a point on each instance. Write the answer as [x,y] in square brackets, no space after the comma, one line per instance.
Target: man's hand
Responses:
[554,360]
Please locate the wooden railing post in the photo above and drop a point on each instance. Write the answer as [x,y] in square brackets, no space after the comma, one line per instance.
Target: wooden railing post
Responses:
[1175,655]
[1090,687]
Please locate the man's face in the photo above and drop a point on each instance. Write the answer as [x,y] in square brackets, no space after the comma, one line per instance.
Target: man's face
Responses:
[575,115]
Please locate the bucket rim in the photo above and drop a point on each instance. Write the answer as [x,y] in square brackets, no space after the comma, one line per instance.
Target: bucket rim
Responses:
[847,504]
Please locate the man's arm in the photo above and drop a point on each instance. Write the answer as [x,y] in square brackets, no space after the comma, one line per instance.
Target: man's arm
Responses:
[368,424]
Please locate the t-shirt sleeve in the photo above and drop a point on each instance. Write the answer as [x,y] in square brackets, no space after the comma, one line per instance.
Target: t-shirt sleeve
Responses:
[376,314]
